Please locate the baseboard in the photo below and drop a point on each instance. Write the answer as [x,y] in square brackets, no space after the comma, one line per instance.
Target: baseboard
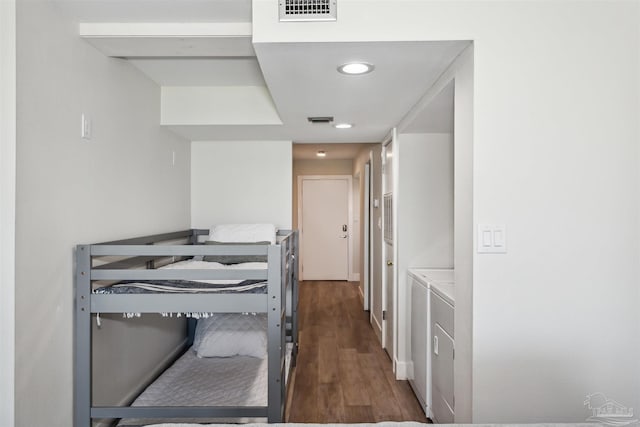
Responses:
[410,374]
[429,413]
[404,370]
[377,328]
[423,405]
[354,277]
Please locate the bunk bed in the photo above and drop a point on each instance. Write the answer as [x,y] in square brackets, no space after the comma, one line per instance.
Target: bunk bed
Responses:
[109,279]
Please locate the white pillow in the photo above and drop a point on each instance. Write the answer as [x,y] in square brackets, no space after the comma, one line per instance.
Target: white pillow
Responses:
[231,334]
[243,233]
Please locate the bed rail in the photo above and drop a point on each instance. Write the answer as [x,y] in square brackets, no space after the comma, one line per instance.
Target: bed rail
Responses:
[280,302]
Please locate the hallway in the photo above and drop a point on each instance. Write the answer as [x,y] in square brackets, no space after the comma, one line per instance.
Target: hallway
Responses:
[342,374]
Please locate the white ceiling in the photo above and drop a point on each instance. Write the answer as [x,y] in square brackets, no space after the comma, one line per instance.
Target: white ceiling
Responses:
[301,77]
[303,81]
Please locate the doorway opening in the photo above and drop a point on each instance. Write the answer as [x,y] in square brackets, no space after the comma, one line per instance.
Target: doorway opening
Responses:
[328,196]
[401,237]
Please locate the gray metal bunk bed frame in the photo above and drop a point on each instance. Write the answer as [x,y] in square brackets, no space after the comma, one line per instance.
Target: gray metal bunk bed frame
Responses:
[282,290]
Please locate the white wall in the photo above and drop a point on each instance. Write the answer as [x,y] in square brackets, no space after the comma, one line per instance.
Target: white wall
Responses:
[555,157]
[425,200]
[241,182]
[425,220]
[7,207]
[69,191]
[217,105]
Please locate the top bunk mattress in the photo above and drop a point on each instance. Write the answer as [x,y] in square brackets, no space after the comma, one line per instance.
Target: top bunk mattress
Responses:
[192,286]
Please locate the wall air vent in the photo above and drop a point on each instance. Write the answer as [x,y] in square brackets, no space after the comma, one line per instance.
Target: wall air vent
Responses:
[319,120]
[307,10]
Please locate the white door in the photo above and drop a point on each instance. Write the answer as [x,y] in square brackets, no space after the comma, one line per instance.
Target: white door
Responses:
[388,252]
[324,225]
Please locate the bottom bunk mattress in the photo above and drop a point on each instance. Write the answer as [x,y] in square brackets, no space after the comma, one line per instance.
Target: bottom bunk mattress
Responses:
[208,381]
[380,424]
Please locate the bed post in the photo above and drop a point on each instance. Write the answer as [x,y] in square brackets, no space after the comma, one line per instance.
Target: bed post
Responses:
[82,347]
[275,333]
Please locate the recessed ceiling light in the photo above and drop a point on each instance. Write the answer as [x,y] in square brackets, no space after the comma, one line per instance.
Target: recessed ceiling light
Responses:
[354,68]
[343,126]
[321,153]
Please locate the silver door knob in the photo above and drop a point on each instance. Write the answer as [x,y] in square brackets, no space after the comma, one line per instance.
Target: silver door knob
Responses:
[344,236]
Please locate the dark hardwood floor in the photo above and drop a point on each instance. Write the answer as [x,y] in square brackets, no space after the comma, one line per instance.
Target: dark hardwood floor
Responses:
[342,374]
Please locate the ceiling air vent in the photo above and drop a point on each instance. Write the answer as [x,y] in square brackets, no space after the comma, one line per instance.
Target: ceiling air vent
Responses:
[319,120]
[307,10]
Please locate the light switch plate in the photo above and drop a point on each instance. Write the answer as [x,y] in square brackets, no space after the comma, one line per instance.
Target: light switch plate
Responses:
[492,239]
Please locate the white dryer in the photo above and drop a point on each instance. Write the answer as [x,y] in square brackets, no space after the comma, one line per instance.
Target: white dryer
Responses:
[421,281]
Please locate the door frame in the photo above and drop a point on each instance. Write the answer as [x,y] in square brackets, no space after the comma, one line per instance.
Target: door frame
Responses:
[366,241]
[391,139]
[349,179]
[8,140]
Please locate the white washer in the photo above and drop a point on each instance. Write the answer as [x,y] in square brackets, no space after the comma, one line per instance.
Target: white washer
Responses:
[421,281]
